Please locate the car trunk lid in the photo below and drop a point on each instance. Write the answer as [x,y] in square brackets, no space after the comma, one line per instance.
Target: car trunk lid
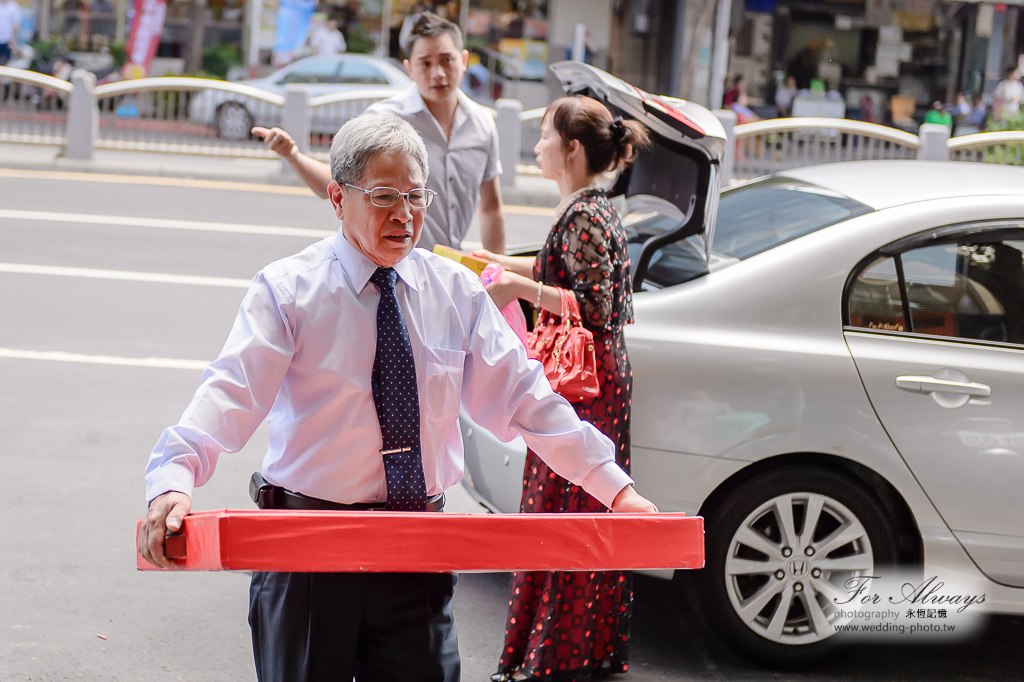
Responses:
[677,177]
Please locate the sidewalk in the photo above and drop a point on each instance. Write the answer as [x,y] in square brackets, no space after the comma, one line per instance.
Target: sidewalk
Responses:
[530,190]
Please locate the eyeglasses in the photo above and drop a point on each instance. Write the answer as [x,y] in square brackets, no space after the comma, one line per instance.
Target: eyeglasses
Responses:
[386,197]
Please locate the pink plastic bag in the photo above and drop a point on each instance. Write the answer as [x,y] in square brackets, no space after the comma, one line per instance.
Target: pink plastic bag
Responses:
[512,313]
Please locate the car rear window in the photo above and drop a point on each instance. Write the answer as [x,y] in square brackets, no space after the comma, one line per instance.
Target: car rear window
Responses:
[761,215]
[752,218]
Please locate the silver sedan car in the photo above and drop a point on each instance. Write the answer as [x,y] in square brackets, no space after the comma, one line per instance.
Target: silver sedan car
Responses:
[232,115]
[831,373]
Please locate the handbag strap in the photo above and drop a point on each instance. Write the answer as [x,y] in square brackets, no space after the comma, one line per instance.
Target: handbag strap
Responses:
[570,307]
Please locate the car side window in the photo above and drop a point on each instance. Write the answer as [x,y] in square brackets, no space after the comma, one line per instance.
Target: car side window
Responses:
[313,73]
[361,73]
[972,290]
[875,301]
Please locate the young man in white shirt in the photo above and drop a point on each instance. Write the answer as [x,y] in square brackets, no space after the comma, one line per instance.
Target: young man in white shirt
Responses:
[461,139]
[358,351]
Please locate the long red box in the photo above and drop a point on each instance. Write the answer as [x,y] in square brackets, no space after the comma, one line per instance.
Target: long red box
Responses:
[397,542]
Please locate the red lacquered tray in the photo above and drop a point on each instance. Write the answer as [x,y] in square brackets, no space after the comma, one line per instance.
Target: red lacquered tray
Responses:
[377,541]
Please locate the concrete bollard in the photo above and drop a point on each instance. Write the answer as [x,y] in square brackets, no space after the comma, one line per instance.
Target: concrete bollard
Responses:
[728,119]
[934,142]
[295,118]
[510,138]
[83,117]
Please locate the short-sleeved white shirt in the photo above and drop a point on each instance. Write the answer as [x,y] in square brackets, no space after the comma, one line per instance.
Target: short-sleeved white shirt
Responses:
[1010,92]
[458,165]
[10,16]
[327,41]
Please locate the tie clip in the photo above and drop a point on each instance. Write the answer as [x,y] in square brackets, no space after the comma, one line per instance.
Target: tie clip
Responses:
[396,450]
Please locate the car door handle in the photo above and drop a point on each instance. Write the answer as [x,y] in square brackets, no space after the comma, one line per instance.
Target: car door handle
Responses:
[920,384]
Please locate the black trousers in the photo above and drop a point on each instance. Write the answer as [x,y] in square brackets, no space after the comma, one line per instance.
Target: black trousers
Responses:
[374,627]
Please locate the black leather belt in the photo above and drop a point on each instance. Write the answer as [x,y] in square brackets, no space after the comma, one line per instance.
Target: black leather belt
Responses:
[268,496]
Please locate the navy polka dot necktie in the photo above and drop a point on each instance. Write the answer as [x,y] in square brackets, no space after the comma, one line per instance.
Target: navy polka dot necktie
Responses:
[397,401]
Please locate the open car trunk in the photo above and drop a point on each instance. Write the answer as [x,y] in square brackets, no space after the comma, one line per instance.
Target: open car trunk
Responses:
[672,188]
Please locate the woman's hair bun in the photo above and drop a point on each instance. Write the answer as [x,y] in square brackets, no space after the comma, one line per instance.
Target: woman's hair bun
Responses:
[617,129]
[608,142]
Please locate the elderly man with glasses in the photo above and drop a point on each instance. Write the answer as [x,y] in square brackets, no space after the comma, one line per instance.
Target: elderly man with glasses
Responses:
[359,351]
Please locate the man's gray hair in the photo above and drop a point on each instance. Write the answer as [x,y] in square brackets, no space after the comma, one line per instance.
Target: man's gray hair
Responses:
[367,135]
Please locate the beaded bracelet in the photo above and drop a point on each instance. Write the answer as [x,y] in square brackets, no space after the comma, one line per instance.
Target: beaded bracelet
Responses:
[540,286]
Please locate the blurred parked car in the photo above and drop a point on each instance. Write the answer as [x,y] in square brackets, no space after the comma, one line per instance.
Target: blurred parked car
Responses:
[233,115]
[828,367]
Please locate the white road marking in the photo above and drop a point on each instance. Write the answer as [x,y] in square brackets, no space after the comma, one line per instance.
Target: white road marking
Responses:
[193,183]
[122,221]
[123,275]
[61,356]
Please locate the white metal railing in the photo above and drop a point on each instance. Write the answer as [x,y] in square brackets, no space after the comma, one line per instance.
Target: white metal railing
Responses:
[1001,147]
[193,115]
[765,147]
[329,112]
[530,125]
[33,107]
[185,115]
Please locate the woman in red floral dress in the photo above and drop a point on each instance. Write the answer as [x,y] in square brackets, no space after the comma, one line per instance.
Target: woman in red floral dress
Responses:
[569,625]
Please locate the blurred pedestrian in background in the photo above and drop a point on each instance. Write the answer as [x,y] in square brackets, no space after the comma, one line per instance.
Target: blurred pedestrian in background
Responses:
[959,109]
[937,114]
[784,96]
[976,120]
[326,39]
[1008,94]
[739,86]
[568,625]
[10,25]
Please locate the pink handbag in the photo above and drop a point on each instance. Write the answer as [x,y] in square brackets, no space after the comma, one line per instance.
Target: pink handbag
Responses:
[566,349]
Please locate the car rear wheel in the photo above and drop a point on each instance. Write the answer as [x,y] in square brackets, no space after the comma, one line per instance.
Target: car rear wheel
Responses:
[234,122]
[779,549]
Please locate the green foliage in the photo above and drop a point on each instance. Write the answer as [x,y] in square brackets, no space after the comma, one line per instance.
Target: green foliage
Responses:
[217,59]
[1006,154]
[119,54]
[1011,122]
[49,50]
[359,41]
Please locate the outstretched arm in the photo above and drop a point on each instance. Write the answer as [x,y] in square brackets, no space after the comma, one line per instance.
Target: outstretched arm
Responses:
[237,391]
[316,175]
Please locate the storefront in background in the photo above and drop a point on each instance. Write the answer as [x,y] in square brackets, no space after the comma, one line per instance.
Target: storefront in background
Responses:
[511,42]
[888,60]
[515,34]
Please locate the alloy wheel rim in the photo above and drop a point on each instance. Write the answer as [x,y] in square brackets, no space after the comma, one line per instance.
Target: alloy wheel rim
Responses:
[232,122]
[789,560]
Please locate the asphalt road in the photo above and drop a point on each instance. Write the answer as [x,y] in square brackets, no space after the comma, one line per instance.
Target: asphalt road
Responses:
[75,431]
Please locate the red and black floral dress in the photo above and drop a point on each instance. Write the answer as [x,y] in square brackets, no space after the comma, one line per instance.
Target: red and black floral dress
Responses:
[567,625]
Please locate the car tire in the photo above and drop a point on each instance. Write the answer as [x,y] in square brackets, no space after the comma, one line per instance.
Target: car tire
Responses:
[743,601]
[233,121]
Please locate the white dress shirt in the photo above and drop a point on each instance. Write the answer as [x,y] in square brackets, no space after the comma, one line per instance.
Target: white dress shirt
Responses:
[458,165]
[300,354]
[10,16]
[327,41]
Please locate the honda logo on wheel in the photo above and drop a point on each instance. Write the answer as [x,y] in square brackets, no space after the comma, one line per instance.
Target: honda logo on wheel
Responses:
[798,568]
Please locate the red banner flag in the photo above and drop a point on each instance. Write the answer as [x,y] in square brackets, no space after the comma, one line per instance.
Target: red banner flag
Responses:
[144,38]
